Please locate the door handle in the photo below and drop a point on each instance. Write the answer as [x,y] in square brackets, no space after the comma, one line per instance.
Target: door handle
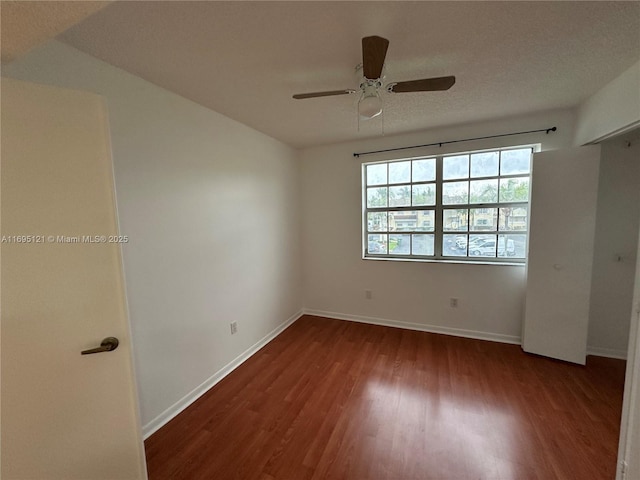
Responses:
[107,345]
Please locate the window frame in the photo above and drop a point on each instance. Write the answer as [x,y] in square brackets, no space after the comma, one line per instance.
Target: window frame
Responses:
[439,208]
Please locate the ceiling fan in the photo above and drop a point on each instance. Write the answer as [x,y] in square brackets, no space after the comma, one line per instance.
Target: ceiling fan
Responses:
[374,51]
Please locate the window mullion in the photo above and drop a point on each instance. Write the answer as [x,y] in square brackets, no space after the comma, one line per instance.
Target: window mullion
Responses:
[439,215]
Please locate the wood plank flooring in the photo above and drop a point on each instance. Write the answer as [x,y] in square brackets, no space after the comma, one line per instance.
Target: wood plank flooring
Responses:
[330,399]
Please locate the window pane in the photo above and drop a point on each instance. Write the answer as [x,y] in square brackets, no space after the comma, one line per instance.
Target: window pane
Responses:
[455,193]
[483,191]
[426,220]
[454,220]
[399,244]
[422,245]
[454,245]
[377,197]
[455,167]
[377,221]
[513,219]
[514,246]
[400,196]
[377,174]
[483,219]
[400,172]
[514,189]
[403,221]
[407,221]
[424,170]
[377,244]
[424,194]
[482,245]
[484,164]
[513,162]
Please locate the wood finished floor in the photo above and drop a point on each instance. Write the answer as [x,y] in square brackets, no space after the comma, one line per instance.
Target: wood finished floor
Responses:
[330,399]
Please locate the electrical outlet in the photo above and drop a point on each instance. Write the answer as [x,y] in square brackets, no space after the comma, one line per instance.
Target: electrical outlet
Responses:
[234,328]
[453,302]
[368,294]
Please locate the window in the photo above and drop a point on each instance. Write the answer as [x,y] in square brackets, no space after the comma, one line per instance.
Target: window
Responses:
[470,206]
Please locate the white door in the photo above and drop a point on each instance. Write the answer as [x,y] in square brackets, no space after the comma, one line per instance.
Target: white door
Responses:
[564,192]
[629,460]
[64,415]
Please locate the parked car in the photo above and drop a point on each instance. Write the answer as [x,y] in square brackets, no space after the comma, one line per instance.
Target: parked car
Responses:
[461,242]
[487,248]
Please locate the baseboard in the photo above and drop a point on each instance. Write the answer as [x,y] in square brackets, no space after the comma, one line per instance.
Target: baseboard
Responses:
[162,419]
[457,332]
[607,352]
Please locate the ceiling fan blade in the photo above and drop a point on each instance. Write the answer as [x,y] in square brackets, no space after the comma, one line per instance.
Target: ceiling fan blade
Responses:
[423,85]
[299,96]
[374,51]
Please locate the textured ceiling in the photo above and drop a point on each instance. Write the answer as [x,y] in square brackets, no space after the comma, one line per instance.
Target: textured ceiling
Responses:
[27,24]
[246,59]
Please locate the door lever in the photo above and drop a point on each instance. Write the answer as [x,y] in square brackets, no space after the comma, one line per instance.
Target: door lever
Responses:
[107,345]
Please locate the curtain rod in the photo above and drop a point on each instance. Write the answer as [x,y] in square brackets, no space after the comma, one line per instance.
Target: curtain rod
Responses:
[546,130]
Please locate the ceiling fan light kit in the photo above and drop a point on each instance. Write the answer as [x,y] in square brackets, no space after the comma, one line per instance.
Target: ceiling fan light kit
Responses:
[374,51]
[370,103]
[370,106]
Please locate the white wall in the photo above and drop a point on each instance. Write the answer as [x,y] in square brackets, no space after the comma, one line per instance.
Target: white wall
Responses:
[612,110]
[211,210]
[408,293]
[616,239]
